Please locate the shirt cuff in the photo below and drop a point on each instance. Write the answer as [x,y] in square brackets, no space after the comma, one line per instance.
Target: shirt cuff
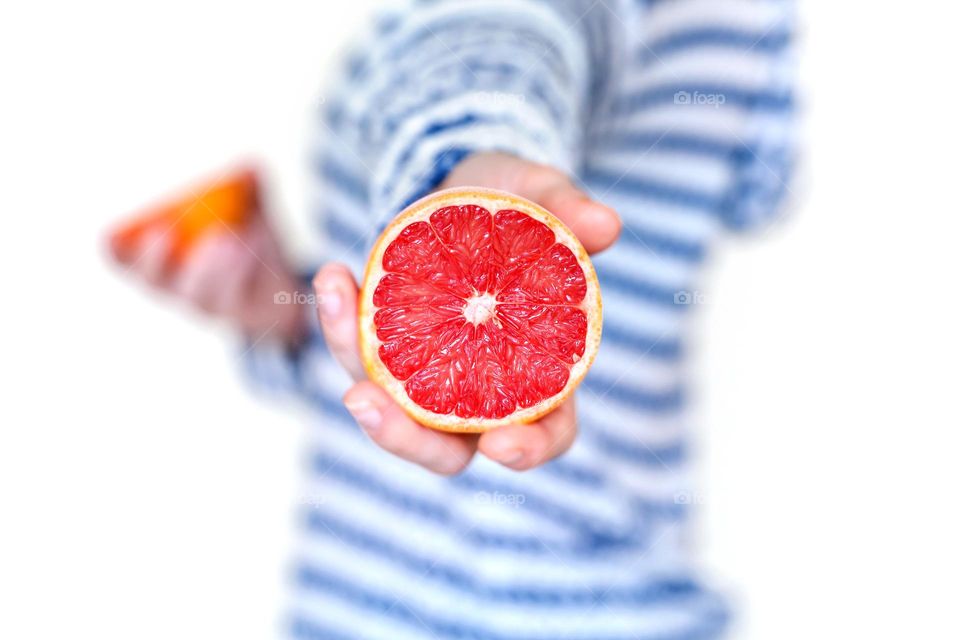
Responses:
[429,145]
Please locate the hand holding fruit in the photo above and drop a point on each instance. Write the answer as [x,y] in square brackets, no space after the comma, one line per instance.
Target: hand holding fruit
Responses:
[216,251]
[561,309]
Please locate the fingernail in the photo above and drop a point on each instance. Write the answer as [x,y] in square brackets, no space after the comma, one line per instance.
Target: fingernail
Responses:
[330,303]
[366,414]
[510,457]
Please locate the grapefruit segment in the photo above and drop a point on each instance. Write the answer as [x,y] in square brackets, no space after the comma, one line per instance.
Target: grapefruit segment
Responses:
[553,278]
[478,309]
[418,253]
[486,389]
[437,385]
[536,375]
[555,330]
[518,241]
[405,356]
[394,323]
[466,233]
[398,289]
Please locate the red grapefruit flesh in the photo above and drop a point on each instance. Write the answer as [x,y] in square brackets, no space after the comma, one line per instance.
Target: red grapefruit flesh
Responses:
[478,309]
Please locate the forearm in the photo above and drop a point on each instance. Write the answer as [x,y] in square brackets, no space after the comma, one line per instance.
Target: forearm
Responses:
[458,77]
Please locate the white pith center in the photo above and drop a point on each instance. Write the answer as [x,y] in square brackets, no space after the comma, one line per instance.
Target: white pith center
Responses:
[480,308]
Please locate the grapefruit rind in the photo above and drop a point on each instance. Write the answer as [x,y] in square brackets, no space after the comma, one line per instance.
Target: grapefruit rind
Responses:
[493,201]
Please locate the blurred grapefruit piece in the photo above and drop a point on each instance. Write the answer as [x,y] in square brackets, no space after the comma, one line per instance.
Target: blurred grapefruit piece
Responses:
[226,203]
[478,309]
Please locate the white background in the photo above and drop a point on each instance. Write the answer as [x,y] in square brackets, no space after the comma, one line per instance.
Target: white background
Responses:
[144,493]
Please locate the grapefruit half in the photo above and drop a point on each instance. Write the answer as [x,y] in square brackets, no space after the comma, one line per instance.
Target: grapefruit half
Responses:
[478,308]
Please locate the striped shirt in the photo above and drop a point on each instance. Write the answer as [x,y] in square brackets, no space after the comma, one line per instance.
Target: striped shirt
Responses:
[674,112]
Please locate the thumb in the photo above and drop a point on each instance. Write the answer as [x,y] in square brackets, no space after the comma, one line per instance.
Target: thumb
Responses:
[596,225]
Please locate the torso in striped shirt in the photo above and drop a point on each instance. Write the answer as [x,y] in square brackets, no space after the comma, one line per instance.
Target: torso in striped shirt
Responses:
[592,545]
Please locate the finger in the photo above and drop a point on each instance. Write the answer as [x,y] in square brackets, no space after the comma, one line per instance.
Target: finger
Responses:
[336,293]
[153,257]
[596,225]
[393,430]
[118,246]
[525,446]
[125,241]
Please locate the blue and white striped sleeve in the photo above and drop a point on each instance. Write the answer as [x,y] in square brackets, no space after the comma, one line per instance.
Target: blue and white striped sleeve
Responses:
[447,78]
[764,166]
[727,66]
